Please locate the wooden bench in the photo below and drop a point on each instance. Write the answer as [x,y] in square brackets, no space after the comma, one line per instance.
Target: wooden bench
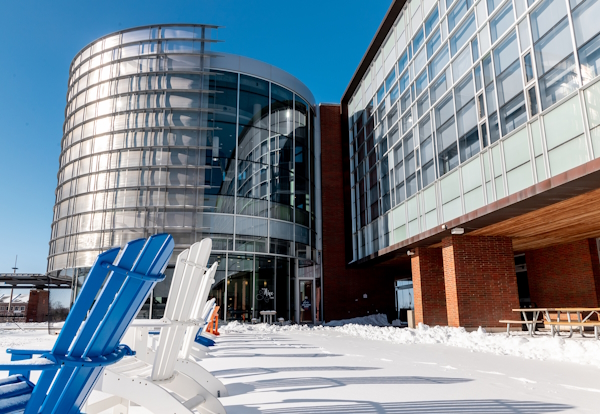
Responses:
[515,322]
[594,324]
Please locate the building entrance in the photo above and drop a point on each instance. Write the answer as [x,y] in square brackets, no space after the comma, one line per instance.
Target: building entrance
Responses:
[306,301]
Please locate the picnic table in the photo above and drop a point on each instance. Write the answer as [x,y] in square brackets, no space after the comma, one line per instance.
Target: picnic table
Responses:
[530,323]
[581,322]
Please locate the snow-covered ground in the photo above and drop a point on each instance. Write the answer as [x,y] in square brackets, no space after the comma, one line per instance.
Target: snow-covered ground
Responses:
[542,346]
[367,369]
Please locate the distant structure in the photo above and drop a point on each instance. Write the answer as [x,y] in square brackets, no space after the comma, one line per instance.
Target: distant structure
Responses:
[33,307]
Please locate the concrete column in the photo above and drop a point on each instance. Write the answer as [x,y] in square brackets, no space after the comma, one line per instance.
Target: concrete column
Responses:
[480,280]
[428,285]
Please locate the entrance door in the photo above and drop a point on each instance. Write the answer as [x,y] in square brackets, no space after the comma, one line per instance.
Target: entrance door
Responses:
[306,299]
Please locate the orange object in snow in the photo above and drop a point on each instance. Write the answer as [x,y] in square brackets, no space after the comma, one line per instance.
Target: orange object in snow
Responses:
[213,324]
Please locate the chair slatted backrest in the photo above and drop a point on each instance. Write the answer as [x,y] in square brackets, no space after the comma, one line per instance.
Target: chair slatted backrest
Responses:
[112,310]
[187,281]
[197,312]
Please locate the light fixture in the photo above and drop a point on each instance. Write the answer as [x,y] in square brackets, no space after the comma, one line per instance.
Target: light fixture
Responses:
[410,253]
[457,230]
[444,227]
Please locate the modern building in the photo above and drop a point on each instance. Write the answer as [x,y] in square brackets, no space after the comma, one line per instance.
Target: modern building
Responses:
[469,146]
[163,134]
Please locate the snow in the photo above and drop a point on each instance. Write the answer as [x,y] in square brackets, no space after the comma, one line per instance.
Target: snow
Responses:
[376,369]
[585,351]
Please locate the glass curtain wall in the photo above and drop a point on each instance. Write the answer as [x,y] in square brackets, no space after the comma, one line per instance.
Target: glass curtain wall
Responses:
[467,94]
[156,139]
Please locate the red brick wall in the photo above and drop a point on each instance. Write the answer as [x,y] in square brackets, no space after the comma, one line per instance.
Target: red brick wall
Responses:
[343,287]
[481,283]
[37,309]
[566,275]
[428,284]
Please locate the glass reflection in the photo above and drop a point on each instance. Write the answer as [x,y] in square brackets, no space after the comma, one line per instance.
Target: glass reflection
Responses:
[239,287]
[282,164]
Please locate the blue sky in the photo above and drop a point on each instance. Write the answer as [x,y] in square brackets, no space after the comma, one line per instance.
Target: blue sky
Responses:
[320,42]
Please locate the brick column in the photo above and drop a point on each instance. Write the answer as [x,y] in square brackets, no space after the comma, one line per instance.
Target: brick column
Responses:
[428,285]
[567,275]
[480,279]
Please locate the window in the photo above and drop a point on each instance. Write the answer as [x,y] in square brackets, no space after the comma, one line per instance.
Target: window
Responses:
[533,108]
[394,94]
[501,23]
[546,16]
[475,49]
[464,92]
[587,38]
[461,64]
[446,136]
[380,95]
[439,87]
[478,78]
[513,114]
[402,62]
[494,130]
[406,122]
[464,32]
[428,165]
[433,44]
[458,12]
[421,82]
[492,4]
[423,105]
[484,139]
[480,106]
[404,81]
[438,63]
[405,102]
[487,70]
[466,119]
[418,40]
[431,21]
[420,61]
[553,50]
[528,67]
[510,85]
[389,81]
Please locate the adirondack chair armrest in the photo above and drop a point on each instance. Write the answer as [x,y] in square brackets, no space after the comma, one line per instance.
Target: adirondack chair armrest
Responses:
[29,352]
[48,361]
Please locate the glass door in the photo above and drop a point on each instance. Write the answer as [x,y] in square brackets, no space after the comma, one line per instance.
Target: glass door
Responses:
[306,299]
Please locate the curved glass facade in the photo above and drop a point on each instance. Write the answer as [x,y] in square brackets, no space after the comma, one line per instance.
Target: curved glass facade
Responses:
[157,139]
[464,104]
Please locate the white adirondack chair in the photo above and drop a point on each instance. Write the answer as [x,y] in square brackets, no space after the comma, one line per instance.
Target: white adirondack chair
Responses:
[153,379]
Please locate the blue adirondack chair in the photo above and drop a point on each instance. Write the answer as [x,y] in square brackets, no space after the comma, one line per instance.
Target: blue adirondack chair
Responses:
[88,341]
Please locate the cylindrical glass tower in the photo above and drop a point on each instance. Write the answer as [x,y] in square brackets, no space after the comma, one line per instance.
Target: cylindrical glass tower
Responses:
[163,135]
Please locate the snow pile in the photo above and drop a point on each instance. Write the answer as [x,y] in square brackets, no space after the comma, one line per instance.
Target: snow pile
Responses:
[580,351]
[373,320]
